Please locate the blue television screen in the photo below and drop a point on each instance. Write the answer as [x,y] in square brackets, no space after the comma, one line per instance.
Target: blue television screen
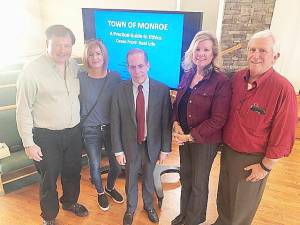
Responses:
[164,35]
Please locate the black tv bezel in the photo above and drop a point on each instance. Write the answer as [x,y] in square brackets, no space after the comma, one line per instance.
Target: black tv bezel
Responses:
[191,17]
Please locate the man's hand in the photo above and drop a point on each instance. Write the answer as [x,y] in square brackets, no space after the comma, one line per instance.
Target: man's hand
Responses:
[162,157]
[257,173]
[34,152]
[121,159]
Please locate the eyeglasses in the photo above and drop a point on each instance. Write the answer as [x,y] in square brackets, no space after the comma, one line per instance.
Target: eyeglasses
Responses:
[259,50]
[140,66]
[256,108]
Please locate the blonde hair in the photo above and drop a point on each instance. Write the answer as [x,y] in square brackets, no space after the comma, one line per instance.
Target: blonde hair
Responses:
[91,44]
[187,62]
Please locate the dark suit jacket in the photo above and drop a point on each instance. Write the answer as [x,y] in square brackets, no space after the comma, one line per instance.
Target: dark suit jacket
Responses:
[123,121]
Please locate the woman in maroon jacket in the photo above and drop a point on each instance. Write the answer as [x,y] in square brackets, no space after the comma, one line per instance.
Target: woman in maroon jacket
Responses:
[200,111]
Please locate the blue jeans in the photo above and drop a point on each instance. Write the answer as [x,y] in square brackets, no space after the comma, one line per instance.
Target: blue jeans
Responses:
[94,139]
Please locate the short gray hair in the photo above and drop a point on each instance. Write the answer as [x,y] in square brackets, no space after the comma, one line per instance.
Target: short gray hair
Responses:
[265,34]
[137,50]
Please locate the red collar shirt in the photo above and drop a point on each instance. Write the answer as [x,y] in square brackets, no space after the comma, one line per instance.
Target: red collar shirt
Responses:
[262,119]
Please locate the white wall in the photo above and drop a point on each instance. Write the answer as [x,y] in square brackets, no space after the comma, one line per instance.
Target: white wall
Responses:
[210,9]
[69,12]
[21,30]
[24,21]
[286,27]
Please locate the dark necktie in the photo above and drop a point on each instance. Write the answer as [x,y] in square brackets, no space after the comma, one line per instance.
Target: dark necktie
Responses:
[140,115]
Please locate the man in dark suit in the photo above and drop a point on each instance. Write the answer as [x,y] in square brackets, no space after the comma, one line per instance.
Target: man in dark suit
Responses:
[141,131]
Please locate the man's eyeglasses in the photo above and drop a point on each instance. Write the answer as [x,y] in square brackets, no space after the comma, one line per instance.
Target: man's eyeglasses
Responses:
[259,50]
[140,66]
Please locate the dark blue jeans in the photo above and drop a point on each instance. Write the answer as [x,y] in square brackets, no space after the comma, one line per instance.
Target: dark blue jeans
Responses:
[94,139]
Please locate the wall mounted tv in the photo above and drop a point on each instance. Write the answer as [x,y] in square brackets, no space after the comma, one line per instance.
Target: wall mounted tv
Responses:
[164,35]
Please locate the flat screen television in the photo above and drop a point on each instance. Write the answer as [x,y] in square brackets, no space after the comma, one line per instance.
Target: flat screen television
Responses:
[164,35]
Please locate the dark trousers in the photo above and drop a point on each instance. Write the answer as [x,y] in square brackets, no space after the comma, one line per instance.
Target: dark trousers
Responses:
[61,156]
[94,139]
[238,199]
[195,165]
[146,167]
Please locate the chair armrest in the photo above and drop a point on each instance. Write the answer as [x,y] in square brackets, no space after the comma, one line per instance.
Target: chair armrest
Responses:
[4,151]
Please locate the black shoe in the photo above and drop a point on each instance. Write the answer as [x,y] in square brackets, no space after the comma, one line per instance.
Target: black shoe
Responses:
[128,218]
[178,220]
[77,209]
[115,195]
[48,222]
[152,215]
[103,202]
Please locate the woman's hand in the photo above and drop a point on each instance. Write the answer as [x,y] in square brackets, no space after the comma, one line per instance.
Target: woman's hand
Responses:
[177,133]
[180,139]
[177,128]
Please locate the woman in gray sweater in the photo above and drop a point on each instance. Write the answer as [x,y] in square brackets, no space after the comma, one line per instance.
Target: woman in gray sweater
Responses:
[97,85]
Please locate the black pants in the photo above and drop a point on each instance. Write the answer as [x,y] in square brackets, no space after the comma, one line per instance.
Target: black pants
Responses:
[195,165]
[61,156]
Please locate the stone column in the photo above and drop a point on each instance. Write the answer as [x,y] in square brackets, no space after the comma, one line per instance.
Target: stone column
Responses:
[242,18]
